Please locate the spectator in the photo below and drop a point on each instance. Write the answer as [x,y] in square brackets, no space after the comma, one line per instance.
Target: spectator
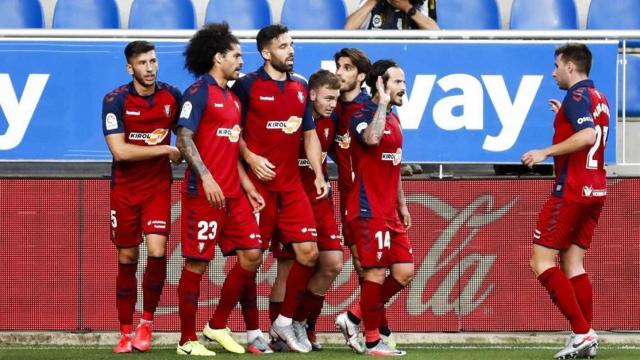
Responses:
[393,15]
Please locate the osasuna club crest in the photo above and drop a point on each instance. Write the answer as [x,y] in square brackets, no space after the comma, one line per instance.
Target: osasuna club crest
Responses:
[301,97]
[167,110]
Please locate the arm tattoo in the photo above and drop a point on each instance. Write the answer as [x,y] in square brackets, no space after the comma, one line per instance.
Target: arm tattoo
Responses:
[189,151]
[373,132]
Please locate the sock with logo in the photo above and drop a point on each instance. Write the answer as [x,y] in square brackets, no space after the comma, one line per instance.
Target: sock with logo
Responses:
[297,282]
[126,295]
[152,283]
[232,289]
[188,294]
[584,294]
[561,292]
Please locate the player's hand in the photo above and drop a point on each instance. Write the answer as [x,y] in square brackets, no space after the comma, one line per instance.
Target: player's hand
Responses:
[256,200]
[213,192]
[322,188]
[384,96]
[405,217]
[555,105]
[533,157]
[262,167]
[403,5]
[175,155]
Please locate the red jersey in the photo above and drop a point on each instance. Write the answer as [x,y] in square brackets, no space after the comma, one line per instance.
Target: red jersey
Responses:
[325,128]
[213,114]
[145,121]
[342,150]
[377,168]
[581,176]
[274,115]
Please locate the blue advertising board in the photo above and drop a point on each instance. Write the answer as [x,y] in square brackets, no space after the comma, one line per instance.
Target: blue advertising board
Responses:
[466,102]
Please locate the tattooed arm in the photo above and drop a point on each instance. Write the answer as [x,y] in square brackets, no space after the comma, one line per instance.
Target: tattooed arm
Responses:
[187,147]
[373,133]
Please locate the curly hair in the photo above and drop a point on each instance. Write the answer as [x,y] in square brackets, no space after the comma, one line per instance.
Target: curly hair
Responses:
[212,39]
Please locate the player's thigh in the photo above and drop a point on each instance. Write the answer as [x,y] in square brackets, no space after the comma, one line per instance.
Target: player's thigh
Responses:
[372,242]
[295,217]
[267,218]
[126,230]
[400,250]
[200,225]
[556,224]
[589,215]
[241,230]
[329,238]
[156,212]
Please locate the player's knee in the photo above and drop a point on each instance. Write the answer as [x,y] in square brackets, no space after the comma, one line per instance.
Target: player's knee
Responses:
[128,255]
[332,267]
[307,254]
[198,267]
[250,260]
[571,267]
[404,276]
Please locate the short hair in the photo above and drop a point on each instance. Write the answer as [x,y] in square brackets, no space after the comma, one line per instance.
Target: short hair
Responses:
[136,48]
[358,57]
[379,68]
[212,39]
[577,53]
[268,33]
[322,78]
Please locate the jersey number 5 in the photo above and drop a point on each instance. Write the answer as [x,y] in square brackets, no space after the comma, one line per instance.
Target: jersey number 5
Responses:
[601,138]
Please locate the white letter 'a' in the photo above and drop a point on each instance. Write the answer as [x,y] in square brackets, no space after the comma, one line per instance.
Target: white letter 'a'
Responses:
[19,113]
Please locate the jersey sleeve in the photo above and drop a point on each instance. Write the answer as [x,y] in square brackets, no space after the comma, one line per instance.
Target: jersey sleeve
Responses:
[194,103]
[112,122]
[359,121]
[577,108]
[241,89]
[307,118]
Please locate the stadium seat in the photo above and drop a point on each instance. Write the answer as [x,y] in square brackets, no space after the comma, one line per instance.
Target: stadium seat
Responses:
[314,14]
[162,14]
[618,14]
[464,14]
[19,14]
[240,14]
[543,15]
[633,90]
[86,14]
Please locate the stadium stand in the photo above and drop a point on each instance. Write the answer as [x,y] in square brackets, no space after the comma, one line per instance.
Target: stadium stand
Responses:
[544,15]
[17,14]
[240,14]
[619,14]
[313,14]
[86,14]
[162,14]
[461,14]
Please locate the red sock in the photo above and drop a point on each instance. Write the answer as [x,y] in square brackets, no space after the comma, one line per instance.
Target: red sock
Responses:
[188,293]
[317,302]
[232,289]
[355,309]
[297,282]
[561,292]
[126,295]
[584,294]
[371,304]
[390,287]
[248,301]
[308,303]
[152,283]
[274,310]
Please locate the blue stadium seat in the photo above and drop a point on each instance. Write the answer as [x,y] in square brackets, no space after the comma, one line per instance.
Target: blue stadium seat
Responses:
[162,14]
[544,15]
[633,90]
[618,14]
[314,14]
[240,14]
[465,14]
[86,14]
[19,14]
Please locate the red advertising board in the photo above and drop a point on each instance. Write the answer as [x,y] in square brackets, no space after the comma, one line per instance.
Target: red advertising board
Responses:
[471,241]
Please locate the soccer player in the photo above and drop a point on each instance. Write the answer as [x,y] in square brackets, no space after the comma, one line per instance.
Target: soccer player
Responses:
[324,90]
[136,121]
[568,219]
[276,117]
[352,66]
[377,213]
[215,210]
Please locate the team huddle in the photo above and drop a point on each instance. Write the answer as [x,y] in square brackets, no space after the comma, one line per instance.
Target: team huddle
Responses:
[257,181]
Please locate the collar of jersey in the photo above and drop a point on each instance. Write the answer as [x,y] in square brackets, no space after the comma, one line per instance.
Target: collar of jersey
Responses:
[581,84]
[132,90]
